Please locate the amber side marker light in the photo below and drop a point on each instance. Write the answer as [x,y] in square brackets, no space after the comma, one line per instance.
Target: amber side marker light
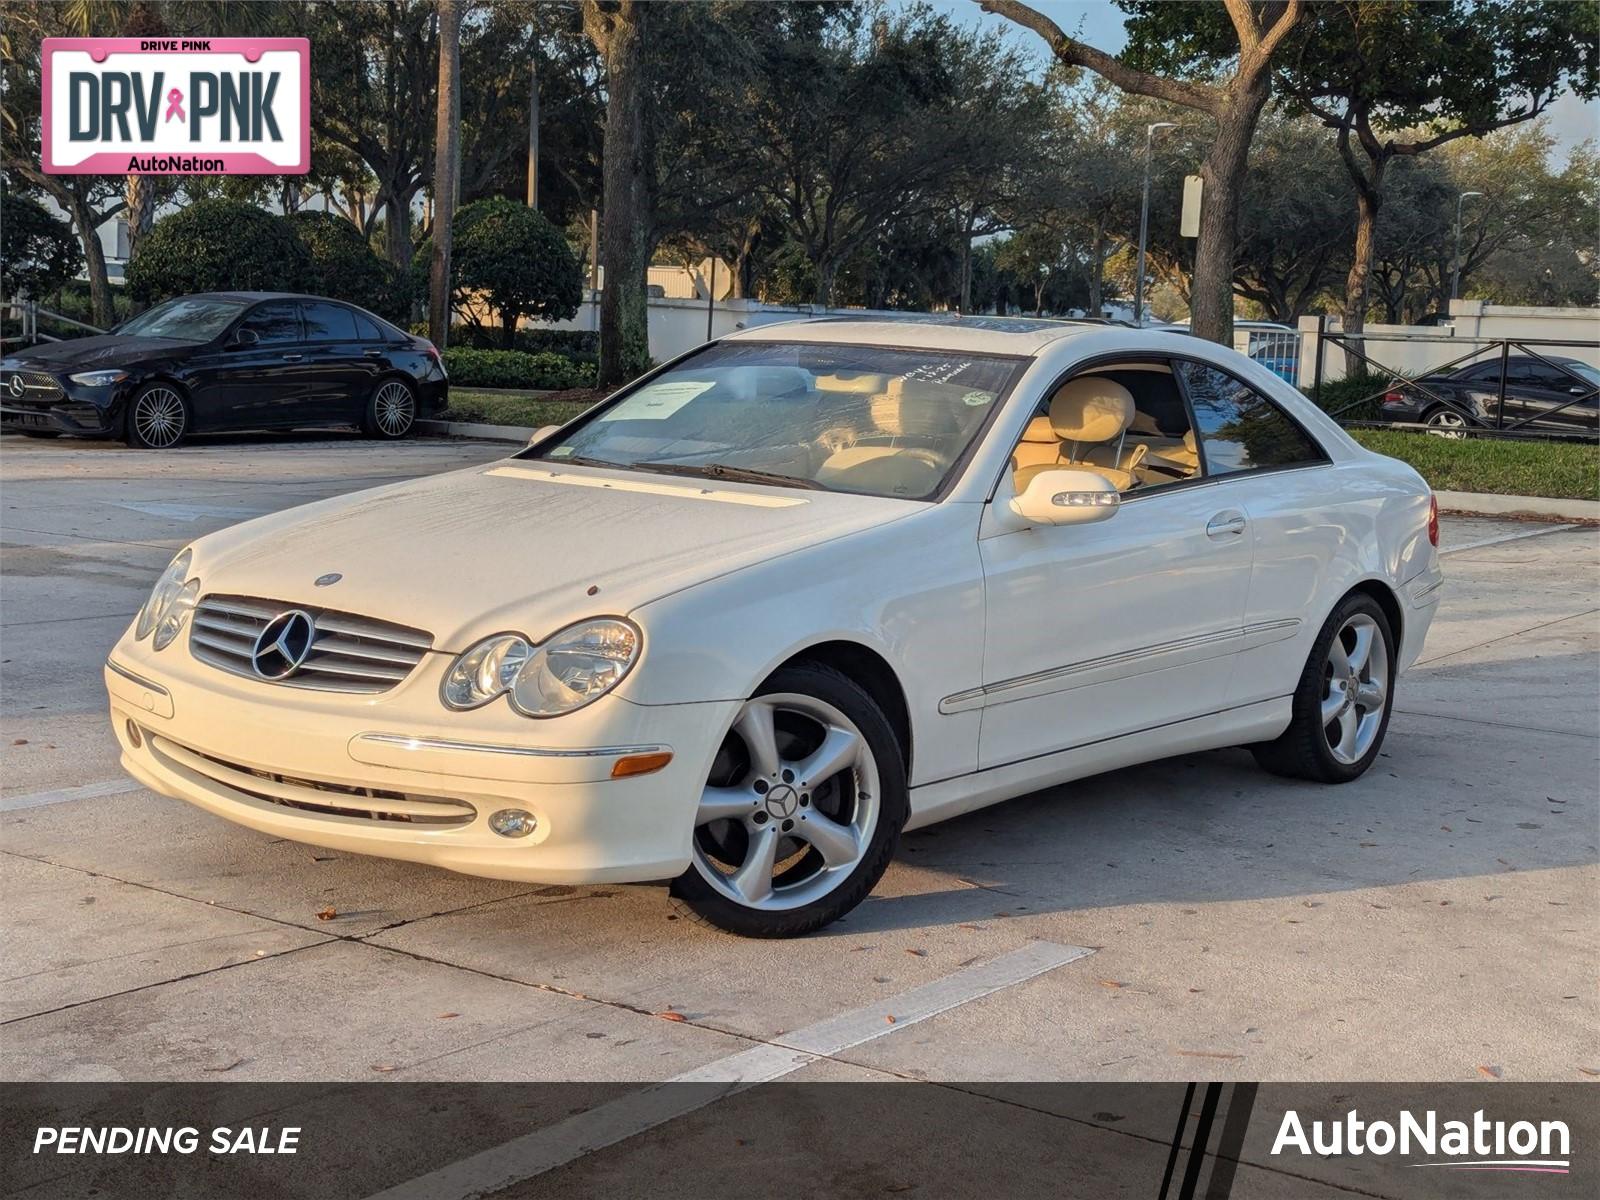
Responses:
[640,764]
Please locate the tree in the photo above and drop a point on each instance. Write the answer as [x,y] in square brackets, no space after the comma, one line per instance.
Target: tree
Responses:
[88,200]
[217,246]
[1172,55]
[373,82]
[517,261]
[1402,77]
[617,28]
[37,250]
[344,266]
[447,170]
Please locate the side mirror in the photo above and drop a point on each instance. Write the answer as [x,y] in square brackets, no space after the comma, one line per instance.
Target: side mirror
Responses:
[1067,496]
[245,337]
[541,433]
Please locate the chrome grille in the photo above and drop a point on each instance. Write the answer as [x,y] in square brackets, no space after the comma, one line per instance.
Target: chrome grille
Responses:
[314,795]
[348,653]
[35,386]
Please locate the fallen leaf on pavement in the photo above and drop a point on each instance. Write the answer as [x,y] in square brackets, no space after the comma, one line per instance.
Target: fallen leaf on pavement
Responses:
[327,914]
[227,1066]
[1489,1072]
[888,1019]
[672,1016]
[917,953]
[384,1068]
[1112,983]
[447,1016]
[1208,1054]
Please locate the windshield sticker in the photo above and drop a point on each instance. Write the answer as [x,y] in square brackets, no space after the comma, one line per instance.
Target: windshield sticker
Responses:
[977,399]
[658,401]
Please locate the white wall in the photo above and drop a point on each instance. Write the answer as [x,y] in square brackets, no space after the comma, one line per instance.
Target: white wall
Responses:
[1414,350]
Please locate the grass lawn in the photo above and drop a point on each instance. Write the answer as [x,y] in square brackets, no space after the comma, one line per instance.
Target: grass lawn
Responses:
[501,408]
[1568,470]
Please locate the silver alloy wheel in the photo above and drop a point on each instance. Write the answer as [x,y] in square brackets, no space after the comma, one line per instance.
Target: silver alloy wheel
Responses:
[1446,423]
[1357,688]
[805,821]
[393,408]
[159,417]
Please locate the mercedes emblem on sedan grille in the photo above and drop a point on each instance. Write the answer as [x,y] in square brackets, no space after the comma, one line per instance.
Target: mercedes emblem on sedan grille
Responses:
[18,385]
[283,645]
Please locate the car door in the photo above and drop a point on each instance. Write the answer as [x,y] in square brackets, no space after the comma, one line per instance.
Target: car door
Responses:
[339,373]
[259,381]
[1126,625]
[1277,473]
[1553,399]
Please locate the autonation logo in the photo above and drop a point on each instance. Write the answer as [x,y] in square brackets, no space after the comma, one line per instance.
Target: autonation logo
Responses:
[1476,1145]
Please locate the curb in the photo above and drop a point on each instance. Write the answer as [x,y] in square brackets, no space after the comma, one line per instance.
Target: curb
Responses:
[1488,504]
[471,429]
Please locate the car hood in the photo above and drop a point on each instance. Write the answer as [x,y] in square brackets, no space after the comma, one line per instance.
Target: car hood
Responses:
[521,545]
[82,354]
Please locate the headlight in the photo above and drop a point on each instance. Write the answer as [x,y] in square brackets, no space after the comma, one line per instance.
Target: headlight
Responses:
[579,664]
[164,596]
[98,378]
[171,624]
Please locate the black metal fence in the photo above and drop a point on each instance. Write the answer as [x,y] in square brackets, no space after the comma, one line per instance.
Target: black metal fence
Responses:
[1433,394]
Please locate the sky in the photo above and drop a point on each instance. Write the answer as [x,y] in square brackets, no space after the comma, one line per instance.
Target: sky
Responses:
[1099,22]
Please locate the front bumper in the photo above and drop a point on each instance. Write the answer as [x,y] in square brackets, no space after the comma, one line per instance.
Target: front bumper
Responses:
[398,776]
[53,405]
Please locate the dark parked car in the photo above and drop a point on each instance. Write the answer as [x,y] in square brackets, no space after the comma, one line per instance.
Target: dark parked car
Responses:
[1553,394]
[223,361]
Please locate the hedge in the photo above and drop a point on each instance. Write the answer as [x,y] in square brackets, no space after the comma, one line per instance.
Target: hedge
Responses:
[581,344]
[513,369]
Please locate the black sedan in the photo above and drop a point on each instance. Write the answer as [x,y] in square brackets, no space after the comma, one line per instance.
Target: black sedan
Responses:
[1550,395]
[226,361]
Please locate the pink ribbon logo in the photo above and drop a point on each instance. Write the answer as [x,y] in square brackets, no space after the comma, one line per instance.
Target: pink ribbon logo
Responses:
[175,105]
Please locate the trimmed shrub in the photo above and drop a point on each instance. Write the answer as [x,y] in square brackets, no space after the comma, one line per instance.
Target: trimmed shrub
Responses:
[1340,393]
[517,261]
[579,344]
[344,266]
[471,368]
[38,251]
[219,246]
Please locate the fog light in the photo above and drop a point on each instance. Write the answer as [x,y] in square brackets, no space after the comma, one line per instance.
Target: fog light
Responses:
[134,736]
[513,823]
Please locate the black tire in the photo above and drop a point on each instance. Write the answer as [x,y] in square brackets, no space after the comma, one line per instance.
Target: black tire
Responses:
[1303,751]
[177,417]
[391,411]
[696,898]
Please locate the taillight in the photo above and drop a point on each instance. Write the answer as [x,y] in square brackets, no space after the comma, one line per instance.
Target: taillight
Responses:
[432,352]
[1394,399]
[1433,519]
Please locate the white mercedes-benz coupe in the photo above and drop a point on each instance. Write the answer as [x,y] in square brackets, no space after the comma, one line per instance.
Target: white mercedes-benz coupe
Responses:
[806,587]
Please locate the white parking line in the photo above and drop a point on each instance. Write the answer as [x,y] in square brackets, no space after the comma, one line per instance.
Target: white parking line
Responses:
[1507,537]
[556,1145]
[109,787]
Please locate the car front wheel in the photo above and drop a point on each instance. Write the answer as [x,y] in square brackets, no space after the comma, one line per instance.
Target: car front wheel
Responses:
[1343,701]
[802,810]
[158,418]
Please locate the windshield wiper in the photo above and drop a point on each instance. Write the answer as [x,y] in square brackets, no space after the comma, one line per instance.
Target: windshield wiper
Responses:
[732,474]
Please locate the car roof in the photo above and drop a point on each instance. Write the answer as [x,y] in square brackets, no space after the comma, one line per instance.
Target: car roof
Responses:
[253,297]
[1024,336]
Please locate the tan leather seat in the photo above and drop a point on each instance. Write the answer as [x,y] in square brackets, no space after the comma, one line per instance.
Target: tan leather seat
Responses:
[881,465]
[1088,421]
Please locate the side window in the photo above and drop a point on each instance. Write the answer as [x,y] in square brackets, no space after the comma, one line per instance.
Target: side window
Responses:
[329,323]
[1488,372]
[367,328]
[1240,429]
[274,322]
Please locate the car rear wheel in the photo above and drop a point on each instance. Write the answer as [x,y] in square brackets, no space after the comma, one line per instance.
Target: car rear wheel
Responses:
[1342,704]
[158,418]
[392,410]
[802,810]
[1446,423]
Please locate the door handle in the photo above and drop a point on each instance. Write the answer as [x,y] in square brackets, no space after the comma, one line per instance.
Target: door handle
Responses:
[372,353]
[1225,524]
[293,357]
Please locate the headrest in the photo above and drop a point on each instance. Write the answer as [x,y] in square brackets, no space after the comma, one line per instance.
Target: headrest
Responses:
[1188,440]
[922,413]
[765,380]
[1091,409]
[1040,432]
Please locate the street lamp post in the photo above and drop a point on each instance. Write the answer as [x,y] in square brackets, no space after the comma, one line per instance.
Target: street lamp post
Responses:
[1144,220]
[1455,274]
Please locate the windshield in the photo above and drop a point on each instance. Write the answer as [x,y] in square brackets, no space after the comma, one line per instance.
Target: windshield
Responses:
[185,320]
[842,418]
